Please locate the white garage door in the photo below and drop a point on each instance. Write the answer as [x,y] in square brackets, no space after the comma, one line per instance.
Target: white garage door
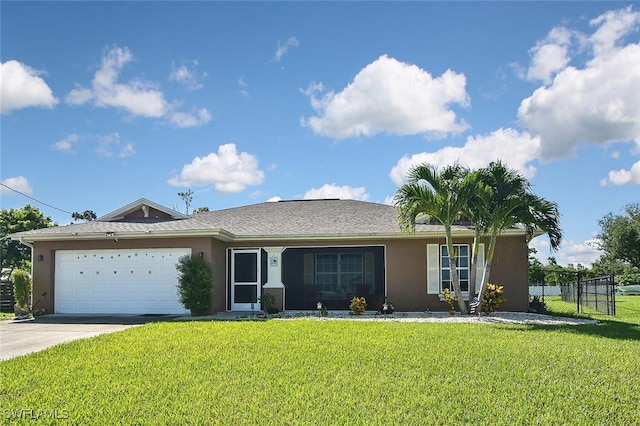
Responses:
[130,281]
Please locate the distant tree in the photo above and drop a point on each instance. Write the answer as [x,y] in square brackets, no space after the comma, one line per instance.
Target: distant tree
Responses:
[620,236]
[200,210]
[87,216]
[608,265]
[187,199]
[536,268]
[15,255]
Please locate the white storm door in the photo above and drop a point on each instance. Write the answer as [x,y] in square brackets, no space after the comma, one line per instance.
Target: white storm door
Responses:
[245,279]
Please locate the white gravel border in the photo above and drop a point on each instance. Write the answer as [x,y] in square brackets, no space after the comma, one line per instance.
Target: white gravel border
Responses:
[442,317]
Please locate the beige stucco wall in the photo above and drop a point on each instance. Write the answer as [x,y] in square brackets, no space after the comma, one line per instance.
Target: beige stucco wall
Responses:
[406,269]
[44,270]
[407,272]
[406,266]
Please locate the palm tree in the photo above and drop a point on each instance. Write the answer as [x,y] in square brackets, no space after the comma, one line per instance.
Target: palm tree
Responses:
[476,212]
[512,204]
[440,195]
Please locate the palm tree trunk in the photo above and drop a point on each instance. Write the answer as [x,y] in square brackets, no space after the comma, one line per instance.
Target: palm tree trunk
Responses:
[474,261]
[453,262]
[487,269]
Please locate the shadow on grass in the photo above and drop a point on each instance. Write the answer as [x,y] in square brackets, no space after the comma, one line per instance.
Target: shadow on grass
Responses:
[605,328]
[102,319]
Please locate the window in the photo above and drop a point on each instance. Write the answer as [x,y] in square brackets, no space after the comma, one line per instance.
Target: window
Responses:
[462,267]
[339,273]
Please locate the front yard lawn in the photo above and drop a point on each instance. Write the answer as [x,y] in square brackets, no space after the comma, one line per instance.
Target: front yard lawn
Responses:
[333,372]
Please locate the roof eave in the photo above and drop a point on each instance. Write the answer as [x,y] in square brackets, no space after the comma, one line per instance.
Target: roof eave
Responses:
[369,236]
[219,234]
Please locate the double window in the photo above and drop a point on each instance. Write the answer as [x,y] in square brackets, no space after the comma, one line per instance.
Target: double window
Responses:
[339,272]
[462,267]
[439,267]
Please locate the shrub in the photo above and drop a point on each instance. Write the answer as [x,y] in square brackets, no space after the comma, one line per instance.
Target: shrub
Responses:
[22,287]
[451,300]
[493,297]
[357,305]
[268,302]
[194,284]
[537,305]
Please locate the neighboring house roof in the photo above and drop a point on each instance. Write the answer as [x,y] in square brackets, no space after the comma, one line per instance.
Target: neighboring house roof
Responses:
[145,206]
[303,219]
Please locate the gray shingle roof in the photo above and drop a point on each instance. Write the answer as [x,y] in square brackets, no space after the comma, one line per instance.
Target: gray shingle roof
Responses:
[306,218]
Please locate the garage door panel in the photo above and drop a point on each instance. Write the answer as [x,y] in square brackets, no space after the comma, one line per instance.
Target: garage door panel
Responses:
[118,281]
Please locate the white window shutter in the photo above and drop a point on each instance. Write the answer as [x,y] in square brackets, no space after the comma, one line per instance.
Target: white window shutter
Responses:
[479,266]
[433,268]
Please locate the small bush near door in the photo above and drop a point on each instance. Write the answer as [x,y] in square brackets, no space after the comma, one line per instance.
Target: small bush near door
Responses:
[194,284]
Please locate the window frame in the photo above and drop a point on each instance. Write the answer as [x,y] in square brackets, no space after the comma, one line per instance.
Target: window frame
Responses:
[341,284]
[445,266]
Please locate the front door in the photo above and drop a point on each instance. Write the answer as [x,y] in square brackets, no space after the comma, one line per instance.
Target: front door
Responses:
[245,279]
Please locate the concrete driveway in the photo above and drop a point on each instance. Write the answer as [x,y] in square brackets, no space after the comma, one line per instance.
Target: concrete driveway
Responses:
[23,337]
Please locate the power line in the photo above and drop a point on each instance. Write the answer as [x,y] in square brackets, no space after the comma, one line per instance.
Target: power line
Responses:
[34,199]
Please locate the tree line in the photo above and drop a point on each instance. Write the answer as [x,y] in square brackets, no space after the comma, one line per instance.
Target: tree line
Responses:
[619,241]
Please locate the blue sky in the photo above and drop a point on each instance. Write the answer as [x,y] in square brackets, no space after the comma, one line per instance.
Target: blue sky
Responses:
[104,103]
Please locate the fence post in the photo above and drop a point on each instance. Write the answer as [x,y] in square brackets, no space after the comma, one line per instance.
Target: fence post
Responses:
[613,293]
[579,291]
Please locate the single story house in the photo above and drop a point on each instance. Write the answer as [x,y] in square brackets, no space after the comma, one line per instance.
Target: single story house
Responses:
[303,252]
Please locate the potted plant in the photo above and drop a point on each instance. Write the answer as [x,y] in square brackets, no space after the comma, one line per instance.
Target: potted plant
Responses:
[268,302]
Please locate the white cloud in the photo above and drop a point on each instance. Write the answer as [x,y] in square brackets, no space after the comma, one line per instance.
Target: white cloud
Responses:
[571,252]
[110,146]
[243,85]
[18,183]
[136,96]
[334,191]
[283,48]
[624,177]
[66,145]
[390,96]
[549,55]
[516,149]
[21,87]
[188,77]
[612,26]
[274,199]
[598,103]
[184,119]
[228,170]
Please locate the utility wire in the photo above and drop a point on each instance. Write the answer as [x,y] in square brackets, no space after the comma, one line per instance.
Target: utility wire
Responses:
[34,199]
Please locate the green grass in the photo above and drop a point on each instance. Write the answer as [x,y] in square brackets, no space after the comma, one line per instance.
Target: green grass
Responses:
[334,372]
[6,316]
[627,309]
